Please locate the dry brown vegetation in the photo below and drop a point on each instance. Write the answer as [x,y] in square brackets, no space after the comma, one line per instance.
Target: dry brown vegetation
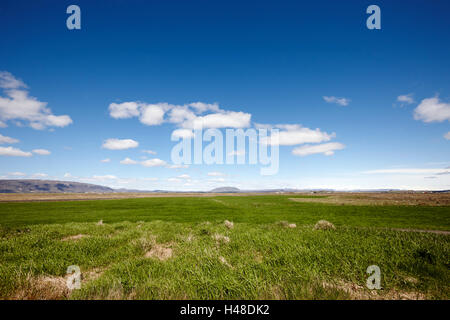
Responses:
[382,198]
[159,252]
[24,197]
[75,237]
[324,225]
[357,292]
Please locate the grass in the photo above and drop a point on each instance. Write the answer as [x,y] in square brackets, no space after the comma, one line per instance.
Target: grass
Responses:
[262,260]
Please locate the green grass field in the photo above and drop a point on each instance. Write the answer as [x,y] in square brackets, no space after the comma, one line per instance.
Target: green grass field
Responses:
[180,248]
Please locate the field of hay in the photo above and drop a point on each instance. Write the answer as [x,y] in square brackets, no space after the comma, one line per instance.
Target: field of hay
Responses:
[226,247]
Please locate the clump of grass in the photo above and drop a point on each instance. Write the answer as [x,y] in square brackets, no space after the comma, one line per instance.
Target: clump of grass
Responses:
[75,237]
[286,224]
[225,262]
[324,225]
[221,238]
[229,224]
[160,252]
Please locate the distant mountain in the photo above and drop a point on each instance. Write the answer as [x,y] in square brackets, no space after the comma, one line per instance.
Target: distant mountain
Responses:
[225,190]
[50,186]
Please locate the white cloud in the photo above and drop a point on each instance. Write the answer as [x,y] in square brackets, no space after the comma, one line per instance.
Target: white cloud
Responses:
[406,98]
[217,180]
[149,152]
[42,152]
[8,140]
[105,160]
[8,81]
[124,110]
[184,176]
[228,119]
[179,114]
[185,116]
[325,148]
[431,109]
[153,163]
[182,133]
[215,174]
[438,171]
[152,114]
[67,175]
[201,107]
[339,101]
[447,135]
[120,144]
[14,152]
[17,105]
[128,161]
[292,134]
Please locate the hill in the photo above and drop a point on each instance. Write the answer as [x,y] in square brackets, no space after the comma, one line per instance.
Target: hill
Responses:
[50,186]
[225,190]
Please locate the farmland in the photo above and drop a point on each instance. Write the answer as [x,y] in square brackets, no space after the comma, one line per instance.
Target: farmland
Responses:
[181,248]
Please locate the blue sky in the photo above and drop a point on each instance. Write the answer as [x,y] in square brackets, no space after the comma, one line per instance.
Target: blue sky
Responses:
[274,61]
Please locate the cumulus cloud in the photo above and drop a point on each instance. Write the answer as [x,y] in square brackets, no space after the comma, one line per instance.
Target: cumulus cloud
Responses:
[201,107]
[184,176]
[405,99]
[153,163]
[340,101]
[447,135]
[182,133]
[149,152]
[128,161]
[14,152]
[105,160]
[325,148]
[7,140]
[119,144]
[8,81]
[152,114]
[432,110]
[187,116]
[17,105]
[293,134]
[42,152]
[124,110]
[229,119]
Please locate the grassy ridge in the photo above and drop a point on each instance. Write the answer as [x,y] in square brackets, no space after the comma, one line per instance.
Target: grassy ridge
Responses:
[262,259]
